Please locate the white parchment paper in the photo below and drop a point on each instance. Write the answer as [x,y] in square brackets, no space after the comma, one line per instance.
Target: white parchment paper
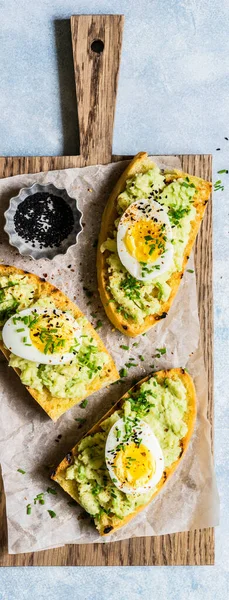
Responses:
[29,439]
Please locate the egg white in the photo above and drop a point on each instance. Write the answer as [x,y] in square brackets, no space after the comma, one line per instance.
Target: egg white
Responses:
[13,339]
[149,440]
[151,209]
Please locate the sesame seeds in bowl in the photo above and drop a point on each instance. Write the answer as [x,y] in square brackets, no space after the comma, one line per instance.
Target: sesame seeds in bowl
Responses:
[43,221]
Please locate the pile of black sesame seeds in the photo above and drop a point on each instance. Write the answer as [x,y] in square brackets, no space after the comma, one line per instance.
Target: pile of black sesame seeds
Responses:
[44,219]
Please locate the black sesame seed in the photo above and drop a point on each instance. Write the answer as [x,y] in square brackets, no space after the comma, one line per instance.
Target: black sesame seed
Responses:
[44,218]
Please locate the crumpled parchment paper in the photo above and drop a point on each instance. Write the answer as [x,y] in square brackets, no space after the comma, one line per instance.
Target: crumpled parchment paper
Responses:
[29,440]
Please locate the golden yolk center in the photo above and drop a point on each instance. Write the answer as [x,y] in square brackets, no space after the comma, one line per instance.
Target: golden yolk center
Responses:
[134,464]
[145,240]
[52,334]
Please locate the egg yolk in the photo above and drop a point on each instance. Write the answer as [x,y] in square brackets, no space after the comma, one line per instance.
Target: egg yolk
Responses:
[145,240]
[134,465]
[52,333]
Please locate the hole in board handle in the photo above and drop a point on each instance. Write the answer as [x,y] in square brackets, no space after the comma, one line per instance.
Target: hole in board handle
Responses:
[97,46]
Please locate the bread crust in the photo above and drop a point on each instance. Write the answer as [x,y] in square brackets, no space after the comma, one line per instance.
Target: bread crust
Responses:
[142,163]
[70,486]
[53,406]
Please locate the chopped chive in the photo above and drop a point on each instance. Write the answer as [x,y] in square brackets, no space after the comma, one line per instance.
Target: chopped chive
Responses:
[151,366]
[41,501]
[47,346]
[218,185]
[135,343]
[152,248]
[24,339]
[222,171]
[141,357]
[124,347]
[19,330]
[78,420]
[28,344]
[98,324]
[21,471]
[190,271]
[185,184]
[28,509]
[51,490]
[118,433]
[123,372]
[51,513]
[161,350]
[84,403]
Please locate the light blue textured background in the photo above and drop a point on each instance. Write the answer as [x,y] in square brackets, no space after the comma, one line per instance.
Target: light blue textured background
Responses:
[173,98]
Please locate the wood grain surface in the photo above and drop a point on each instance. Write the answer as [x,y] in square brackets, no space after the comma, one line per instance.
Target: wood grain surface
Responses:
[189,548]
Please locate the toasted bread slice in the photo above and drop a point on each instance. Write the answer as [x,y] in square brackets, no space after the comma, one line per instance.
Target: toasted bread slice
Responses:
[54,406]
[70,486]
[141,163]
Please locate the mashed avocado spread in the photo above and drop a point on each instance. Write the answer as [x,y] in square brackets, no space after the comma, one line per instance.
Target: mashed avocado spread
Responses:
[63,381]
[133,298]
[163,406]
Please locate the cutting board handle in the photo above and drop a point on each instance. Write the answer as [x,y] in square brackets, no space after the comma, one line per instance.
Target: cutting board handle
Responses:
[96,44]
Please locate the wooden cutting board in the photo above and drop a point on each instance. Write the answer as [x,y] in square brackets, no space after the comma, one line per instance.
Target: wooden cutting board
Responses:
[96,42]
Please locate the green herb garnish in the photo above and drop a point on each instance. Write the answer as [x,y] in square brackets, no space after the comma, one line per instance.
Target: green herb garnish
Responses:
[84,403]
[21,471]
[176,214]
[218,186]
[161,350]
[51,490]
[123,372]
[51,513]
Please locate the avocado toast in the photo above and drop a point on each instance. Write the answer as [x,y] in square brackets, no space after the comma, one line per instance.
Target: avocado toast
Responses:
[165,401]
[56,387]
[133,304]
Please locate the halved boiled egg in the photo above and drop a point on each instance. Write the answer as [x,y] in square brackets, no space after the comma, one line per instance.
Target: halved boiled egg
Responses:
[144,240]
[134,457]
[43,336]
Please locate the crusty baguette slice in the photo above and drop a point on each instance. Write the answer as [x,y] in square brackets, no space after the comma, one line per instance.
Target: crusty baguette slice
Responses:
[70,486]
[53,406]
[141,163]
